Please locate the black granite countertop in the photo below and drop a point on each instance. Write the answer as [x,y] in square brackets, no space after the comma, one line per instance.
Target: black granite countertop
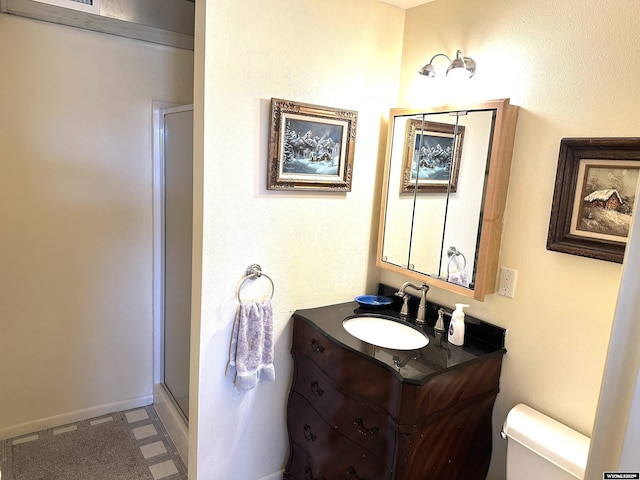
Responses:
[482,340]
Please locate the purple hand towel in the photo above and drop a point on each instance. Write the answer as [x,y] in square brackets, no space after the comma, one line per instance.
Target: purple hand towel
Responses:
[251,352]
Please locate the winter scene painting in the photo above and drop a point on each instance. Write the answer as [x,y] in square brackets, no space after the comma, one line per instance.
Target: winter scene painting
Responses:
[604,199]
[596,186]
[311,147]
[433,156]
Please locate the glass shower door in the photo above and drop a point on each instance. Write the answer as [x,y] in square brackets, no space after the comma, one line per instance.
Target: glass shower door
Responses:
[178,213]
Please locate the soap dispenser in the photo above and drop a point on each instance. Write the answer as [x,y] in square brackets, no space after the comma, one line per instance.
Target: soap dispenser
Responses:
[456,327]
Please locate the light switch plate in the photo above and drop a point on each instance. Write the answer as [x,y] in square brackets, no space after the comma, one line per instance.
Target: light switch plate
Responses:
[507,284]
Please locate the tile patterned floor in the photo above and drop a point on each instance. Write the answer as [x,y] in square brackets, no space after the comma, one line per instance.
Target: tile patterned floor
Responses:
[144,427]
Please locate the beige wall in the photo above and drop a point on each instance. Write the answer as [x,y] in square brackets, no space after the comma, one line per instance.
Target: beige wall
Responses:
[317,247]
[567,65]
[76,218]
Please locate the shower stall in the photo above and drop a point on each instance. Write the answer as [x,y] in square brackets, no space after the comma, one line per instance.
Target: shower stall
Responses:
[173,213]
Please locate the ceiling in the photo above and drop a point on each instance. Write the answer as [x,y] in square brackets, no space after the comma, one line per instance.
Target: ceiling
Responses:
[406,3]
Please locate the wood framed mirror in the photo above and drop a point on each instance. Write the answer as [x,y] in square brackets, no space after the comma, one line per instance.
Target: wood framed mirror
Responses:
[444,193]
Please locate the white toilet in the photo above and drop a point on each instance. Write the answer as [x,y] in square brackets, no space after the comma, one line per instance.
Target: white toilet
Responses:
[540,448]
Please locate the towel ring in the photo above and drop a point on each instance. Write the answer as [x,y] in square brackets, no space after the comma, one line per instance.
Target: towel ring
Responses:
[253,272]
[453,253]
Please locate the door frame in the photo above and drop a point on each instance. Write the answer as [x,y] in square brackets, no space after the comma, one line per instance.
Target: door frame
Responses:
[170,414]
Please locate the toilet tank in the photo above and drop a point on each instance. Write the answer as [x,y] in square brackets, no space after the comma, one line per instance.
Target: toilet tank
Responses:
[541,448]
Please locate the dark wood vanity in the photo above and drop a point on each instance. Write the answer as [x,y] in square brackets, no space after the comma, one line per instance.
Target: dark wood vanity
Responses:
[361,412]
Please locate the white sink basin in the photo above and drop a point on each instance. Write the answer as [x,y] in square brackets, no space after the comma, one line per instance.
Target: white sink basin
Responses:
[385,332]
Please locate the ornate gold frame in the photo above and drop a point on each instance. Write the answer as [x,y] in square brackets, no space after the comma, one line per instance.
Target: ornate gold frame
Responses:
[429,129]
[329,142]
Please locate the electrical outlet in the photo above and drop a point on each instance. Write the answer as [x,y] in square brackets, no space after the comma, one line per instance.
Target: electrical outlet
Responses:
[507,284]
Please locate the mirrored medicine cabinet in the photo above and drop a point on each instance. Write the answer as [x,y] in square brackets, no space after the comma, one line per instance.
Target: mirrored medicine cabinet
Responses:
[444,192]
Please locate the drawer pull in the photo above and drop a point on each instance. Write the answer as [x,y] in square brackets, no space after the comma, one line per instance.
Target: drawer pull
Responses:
[308,434]
[316,390]
[315,345]
[359,423]
[352,474]
[308,474]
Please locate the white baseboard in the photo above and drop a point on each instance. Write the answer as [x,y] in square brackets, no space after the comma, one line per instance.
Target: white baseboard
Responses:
[273,476]
[172,420]
[75,416]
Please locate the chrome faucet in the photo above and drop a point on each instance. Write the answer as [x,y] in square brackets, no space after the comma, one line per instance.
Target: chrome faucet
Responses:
[422,308]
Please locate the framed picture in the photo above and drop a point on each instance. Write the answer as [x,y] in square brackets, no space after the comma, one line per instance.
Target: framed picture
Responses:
[432,157]
[596,186]
[89,6]
[310,147]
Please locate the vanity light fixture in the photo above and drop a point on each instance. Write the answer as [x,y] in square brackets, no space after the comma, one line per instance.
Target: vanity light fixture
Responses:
[460,66]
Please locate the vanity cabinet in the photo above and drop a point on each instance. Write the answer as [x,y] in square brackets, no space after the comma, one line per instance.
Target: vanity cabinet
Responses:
[352,416]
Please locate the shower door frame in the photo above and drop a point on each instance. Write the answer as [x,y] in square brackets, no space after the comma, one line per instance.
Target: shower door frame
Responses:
[174,420]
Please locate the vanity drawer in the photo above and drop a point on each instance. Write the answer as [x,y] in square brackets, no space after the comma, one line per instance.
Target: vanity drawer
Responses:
[320,452]
[302,467]
[365,380]
[374,430]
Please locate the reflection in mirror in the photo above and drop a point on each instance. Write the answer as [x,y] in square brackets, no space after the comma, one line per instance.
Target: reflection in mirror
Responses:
[465,206]
[433,173]
[400,201]
[442,165]
[440,162]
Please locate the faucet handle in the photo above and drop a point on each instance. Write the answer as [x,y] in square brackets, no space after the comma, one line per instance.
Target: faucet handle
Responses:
[439,327]
[404,312]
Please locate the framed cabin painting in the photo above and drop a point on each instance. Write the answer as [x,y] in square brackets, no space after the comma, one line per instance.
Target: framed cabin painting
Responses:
[596,187]
[432,157]
[311,147]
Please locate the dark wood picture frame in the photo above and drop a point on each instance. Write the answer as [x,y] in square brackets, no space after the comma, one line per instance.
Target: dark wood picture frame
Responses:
[616,153]
[311,147]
